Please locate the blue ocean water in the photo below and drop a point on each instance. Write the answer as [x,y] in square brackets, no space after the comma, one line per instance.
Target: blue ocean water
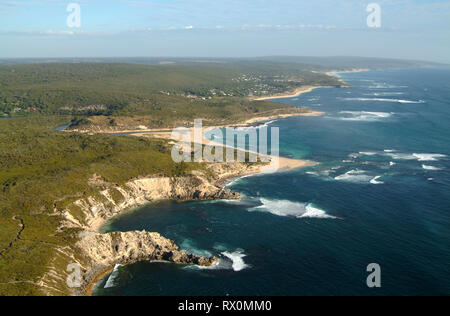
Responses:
[380,195]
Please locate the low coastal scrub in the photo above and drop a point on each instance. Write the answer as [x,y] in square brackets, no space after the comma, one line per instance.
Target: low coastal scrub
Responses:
[43,171]
[161,91]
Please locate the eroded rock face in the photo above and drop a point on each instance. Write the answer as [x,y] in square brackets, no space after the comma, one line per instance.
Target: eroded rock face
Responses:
[95,253]
[129,247]
[103,251]
[110,202]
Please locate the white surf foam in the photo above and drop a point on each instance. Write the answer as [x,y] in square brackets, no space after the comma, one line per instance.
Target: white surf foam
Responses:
[375,180]
[291,209]
[218,265]
[237,258]
[429,157]
[385,100]
[314,212]
[431,168]
[384,94]
[364,116]
[110,283]
[368,153]
[247,128]
[414,156]
[239,179]
[411,102]
[386,86]
[356,176]
[401,156]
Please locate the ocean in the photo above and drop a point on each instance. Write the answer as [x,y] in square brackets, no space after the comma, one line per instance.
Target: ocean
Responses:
[381,194]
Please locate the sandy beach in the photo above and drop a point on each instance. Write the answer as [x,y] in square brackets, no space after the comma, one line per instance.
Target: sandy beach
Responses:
[91,285]
[263,119]
[276,163]
[166,132]
[296,93]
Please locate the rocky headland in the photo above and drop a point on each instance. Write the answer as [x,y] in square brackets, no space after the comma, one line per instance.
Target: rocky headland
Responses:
[96,253]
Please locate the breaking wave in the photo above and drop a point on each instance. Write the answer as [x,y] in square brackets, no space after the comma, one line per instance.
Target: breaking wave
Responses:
[385,86]
[364,116]
[259,126]
[365,153]
[291,209]
[428,157]
[384,94]
[431,168]
[384,100]
[237,258]
[110,283]
[400,156]
[356,176]
[375,180]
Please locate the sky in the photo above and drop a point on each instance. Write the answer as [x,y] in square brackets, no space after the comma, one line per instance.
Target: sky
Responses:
[409,29]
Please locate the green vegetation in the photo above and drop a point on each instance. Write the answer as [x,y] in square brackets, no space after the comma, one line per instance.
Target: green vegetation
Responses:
[118,89]
[166,111]
[42,171]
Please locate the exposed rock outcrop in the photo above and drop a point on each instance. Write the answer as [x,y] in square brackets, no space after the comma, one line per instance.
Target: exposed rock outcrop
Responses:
[103,251]
[90,213]
[96,253]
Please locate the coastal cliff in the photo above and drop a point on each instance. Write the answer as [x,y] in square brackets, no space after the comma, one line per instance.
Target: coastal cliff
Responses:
[91,213]
[96,253]
[104,251]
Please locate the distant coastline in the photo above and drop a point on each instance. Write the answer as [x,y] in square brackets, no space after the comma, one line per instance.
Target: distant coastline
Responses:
[334,72]
[154,189]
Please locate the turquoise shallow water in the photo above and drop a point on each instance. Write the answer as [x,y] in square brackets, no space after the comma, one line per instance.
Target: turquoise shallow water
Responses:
[380,195]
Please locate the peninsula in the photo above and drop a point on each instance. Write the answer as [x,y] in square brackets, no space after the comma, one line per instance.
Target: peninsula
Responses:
[59,187]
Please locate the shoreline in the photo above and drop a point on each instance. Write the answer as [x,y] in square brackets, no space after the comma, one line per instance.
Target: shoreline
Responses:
[91,285]
[356,70]
[224,177]
[165,132]
[297,92]
[262,119]
[142,130]
[286,164]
